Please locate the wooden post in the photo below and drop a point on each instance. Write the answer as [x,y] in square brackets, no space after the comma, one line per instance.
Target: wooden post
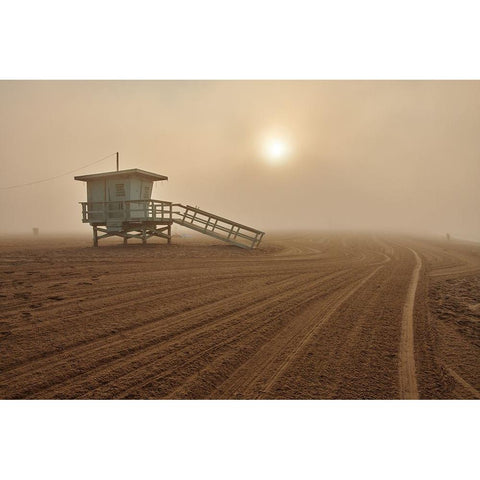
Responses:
[144,234]
[125,241]
[260,238]
[95,237]
[169,241]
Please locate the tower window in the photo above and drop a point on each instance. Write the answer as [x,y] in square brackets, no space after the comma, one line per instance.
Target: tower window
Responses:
[120,189]
[147,190]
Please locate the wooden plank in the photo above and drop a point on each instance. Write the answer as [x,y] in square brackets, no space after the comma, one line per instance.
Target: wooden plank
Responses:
[213,234]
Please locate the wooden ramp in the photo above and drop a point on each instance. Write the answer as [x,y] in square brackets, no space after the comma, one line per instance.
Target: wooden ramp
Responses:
[217,227]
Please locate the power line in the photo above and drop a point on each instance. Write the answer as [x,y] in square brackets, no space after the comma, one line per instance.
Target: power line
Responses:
[57,176]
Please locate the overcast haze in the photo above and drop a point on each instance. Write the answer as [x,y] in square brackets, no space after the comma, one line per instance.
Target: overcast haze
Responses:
[396,155]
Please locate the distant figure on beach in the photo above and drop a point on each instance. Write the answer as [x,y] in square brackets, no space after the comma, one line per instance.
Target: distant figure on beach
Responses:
[35,231]
[448,236]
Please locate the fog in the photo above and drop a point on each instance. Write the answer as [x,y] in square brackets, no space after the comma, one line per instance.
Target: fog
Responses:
[369,155]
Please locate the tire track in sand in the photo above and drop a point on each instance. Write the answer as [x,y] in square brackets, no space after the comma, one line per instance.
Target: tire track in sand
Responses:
[294,338]
[225,323]
[470,388]
[326,316]
[408,378]
[263,360]
[89,350]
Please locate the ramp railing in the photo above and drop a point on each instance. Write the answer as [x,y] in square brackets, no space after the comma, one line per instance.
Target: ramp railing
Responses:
[115,214]
[217,227]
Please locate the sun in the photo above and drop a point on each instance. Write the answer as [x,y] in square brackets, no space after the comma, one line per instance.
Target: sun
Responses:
[276,151]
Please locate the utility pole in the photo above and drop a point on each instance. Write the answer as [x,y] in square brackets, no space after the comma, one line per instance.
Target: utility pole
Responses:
[117,162]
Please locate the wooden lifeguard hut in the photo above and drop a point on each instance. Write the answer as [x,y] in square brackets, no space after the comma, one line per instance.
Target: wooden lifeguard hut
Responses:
[119,204]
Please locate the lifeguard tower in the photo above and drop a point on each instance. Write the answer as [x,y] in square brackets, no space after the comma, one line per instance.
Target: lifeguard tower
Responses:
[119,204]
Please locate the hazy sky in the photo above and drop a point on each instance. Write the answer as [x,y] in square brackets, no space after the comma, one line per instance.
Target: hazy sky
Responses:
[401,155]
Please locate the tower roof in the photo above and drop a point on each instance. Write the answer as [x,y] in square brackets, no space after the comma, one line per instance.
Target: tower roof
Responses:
[133,172]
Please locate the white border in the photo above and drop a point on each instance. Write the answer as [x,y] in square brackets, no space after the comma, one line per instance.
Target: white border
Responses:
[239,439]
[145,39]
[239,40]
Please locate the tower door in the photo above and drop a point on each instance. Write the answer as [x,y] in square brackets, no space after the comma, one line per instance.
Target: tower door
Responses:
[96,199]
[116,196]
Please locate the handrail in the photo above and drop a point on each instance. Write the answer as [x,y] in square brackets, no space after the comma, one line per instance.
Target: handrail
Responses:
[151,210]
[132,201]
[216,217]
